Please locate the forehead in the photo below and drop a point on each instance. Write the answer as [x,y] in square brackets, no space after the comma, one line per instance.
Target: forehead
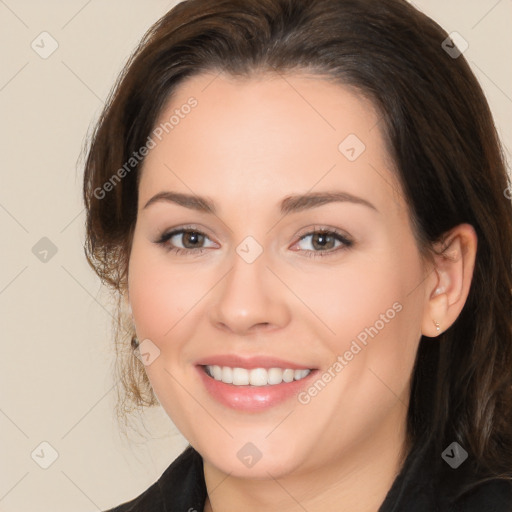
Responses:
[265,135]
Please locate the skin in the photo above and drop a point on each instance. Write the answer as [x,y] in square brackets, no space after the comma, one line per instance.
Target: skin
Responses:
[248,144]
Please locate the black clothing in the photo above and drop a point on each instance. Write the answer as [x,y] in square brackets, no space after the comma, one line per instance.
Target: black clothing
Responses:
[426,483]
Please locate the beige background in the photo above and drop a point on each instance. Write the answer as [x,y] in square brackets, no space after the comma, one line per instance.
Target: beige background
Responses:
[55,375]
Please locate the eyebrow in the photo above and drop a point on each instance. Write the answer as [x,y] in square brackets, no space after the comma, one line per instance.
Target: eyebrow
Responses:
[290,204]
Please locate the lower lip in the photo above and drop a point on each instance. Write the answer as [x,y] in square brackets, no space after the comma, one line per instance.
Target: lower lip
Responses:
[253,398]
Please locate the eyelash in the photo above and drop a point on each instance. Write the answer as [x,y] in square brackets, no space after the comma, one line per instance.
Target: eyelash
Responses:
[347,243]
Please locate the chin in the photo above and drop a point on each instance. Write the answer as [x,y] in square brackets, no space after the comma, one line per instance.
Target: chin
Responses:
[250,460]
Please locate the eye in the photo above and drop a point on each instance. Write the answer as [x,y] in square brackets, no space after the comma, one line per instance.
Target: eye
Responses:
[190,237]
[325,239]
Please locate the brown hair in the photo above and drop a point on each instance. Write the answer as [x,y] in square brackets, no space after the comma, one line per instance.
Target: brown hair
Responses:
[440,135]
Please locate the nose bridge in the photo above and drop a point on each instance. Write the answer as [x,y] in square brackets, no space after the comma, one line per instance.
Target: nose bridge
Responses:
[250,295]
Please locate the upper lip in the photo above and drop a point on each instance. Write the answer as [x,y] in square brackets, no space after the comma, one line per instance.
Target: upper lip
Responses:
[237,361]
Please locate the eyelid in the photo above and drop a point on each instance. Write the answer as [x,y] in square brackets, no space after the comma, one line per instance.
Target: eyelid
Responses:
[308,230]
[169,233]
[346,240]
[343,237]
[319,228]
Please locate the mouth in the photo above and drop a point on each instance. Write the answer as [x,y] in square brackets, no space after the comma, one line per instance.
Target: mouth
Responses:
[248,377]
[254,390]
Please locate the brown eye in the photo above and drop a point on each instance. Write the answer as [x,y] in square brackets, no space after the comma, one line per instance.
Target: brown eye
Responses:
[323,243]
[191,240]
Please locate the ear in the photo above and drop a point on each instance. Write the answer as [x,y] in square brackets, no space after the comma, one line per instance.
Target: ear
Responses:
[449,282]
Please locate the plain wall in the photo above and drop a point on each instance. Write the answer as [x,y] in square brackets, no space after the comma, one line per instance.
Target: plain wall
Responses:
[57,356]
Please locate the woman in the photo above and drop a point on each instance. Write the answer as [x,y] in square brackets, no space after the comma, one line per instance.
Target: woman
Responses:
[304,206]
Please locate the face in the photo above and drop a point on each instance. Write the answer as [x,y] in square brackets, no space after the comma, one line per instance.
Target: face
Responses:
[330,283]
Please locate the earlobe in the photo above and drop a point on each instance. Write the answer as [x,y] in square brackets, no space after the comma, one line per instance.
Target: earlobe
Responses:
[435,319]
[449,285]
[439,289]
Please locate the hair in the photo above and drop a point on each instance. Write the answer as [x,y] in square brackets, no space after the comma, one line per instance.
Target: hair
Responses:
[440,136]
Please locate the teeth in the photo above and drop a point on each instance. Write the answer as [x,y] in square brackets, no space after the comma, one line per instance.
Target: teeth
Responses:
[255,376]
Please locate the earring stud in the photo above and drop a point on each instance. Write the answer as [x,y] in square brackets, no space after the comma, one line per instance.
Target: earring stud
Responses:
[437,326]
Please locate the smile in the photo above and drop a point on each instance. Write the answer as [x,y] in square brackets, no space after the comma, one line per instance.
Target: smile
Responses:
[255,376]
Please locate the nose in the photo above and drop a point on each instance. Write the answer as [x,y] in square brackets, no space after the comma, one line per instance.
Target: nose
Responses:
[250,298]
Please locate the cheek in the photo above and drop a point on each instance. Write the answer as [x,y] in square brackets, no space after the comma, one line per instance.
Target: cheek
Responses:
[352,297]
[162,297]
[153,292]
[374,316]
[161,294]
